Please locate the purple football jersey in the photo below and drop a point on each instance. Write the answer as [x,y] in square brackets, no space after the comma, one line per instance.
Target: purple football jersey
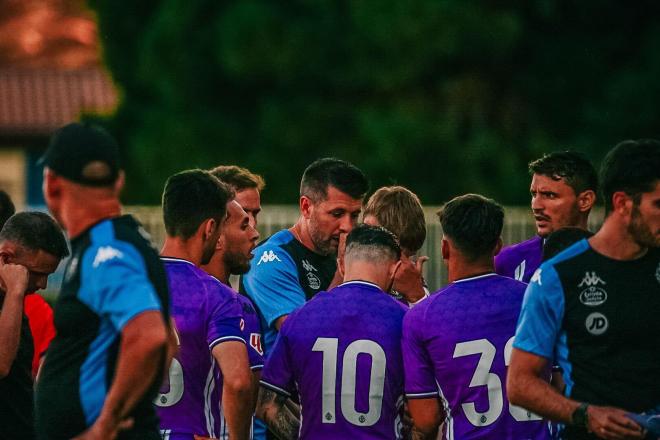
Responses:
[520,261]
[341,352]
[252,334]
[206,313]
[457,345]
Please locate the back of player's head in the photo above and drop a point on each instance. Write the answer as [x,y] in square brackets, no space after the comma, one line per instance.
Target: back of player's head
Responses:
[238,177]
[7,208]
[563,238]
[371,243]
[190,198]
[337,173]
[573,167]
[473,223]
[632,167]
[399,210]
[35,231]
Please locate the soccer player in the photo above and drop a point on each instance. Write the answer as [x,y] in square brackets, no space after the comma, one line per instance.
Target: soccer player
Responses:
[456,344]
[31,247]
[341,352]
[399,210]
[207,316]
[295,264]
[104,366]
[232,256]
[564,186]
[246,185]
[596,305]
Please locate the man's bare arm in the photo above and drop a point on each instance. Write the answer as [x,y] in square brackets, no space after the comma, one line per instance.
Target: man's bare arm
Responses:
[237,404]
[527,388]
[13,281]
[141,356]
[279,321]
[427,416]
[272,409]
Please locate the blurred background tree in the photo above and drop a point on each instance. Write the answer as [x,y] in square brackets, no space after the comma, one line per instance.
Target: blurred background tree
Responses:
[443,96]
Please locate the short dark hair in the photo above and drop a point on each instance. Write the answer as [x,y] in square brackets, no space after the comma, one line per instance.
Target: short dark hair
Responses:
[561,239]
[573,167]
[191,197]
[473,223]
[7,208]
[633,167]
[337,173]
[375,237]
[399,210]
[238,177]
[35,231]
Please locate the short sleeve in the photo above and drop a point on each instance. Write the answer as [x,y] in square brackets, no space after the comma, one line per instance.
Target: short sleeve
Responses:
[272,283]
[115,283]
[418,369]
[542,313]
[278,374]
[225,319]
[252,334]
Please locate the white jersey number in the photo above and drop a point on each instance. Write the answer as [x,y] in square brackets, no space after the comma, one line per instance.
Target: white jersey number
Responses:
[329,347]
[174,378]
[483,377]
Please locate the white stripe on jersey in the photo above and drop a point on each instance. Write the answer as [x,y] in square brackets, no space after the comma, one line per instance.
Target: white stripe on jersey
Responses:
[208,392]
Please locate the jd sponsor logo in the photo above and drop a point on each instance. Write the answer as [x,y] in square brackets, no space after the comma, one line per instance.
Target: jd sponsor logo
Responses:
[596,323]
[593,296]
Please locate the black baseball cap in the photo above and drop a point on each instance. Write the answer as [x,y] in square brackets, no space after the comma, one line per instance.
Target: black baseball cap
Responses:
[83,153]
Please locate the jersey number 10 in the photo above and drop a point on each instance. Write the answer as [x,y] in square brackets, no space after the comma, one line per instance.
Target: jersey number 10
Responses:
[329,348]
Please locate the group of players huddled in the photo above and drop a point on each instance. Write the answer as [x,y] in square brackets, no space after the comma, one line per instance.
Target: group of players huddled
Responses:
[331,331]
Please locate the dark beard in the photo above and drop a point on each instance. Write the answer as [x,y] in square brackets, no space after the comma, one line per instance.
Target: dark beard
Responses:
[640,231]
[236,263]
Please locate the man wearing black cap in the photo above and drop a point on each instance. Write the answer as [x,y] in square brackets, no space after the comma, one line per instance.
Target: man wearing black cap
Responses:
[105,364]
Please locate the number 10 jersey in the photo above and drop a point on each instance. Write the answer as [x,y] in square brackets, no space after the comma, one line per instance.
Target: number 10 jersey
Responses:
[456,346]
[341,353]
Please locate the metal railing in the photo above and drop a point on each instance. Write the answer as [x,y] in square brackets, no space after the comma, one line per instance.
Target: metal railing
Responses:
[518,226]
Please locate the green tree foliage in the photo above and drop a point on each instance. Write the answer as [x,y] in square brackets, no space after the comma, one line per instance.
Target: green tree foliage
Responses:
[443,96]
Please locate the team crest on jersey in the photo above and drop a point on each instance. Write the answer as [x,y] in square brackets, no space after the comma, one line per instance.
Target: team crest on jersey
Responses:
[308,267]
[268,257]
[255,342]
[106,253]
[313,281]
[596,323]
[536,278]
[593,296]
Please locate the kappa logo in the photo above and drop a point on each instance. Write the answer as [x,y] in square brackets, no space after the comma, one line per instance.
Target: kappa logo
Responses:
[268,257]
[657,273]
[596,323]
[308,267]
[255,342]
[536,278]
[591,279]
[106,253]
[71,268]
[519,273]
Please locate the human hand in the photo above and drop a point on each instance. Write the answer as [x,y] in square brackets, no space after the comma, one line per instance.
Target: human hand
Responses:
[13,278]
[612,424]
[103,431]
[408,280]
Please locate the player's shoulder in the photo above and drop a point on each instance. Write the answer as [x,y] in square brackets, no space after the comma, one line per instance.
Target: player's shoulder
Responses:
[120,240]
[273,252]
[567,255]
[522,247]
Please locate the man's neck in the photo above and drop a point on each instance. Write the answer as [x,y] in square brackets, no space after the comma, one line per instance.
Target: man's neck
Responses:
[614,241]
[365,271]
[217,269]
[300,231]
[78,218]
[188,250]
[460,269]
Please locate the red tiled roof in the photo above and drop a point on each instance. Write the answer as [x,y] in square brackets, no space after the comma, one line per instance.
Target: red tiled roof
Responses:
[37,102]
